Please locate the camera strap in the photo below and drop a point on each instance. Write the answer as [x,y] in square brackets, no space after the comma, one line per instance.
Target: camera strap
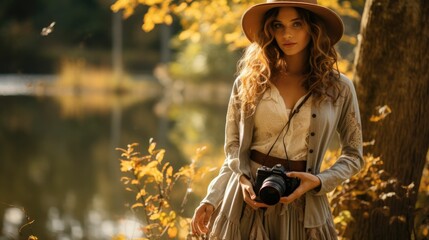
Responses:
[294,111]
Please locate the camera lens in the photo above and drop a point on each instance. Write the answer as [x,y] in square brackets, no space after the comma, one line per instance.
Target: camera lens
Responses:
[272,189]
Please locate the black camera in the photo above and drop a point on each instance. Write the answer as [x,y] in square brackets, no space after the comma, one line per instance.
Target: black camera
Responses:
[272,183]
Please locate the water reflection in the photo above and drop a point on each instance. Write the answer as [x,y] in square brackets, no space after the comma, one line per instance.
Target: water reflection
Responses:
[57,159]
[12,220]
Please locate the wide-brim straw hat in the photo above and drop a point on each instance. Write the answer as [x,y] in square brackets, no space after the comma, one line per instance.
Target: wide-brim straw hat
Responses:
[251,21]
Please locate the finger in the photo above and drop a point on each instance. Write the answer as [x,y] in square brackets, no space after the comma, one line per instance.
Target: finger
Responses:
[246,194]
[200,227]
[253,204]
[294,175]
[193,221]
[198,220]
[208,214]
[261,205]
[195,227]
[285,200]
[288,199]
[251,192]
[248,200]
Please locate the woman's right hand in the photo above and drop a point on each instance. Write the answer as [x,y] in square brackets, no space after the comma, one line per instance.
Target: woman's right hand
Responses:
[248,193]
[201,218]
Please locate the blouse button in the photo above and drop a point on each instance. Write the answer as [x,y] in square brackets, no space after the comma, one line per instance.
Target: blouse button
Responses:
[312,134]
[314,115]
[311,151]
[309,170]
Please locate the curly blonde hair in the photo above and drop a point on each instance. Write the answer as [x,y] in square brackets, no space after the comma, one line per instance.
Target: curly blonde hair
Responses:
[263,59]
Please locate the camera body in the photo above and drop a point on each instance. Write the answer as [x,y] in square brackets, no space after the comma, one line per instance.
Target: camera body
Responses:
[272,183]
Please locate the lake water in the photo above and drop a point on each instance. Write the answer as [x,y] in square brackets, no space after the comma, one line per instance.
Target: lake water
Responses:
[58,163]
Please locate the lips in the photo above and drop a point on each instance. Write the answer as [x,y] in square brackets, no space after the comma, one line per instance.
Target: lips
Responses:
[289,44]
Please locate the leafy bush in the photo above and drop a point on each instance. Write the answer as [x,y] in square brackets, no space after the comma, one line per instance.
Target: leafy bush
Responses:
[152,182]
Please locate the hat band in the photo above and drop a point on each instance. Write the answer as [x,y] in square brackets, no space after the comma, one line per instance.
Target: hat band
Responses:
[303,1]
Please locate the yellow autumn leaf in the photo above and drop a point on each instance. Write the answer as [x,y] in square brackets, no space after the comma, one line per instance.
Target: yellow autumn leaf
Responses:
[400,218]
[160,155]
[172,215]
[148,228]
[410,186]
[184,171]
[120,149]
[31,237]
[164,168]
[172,232]
[181,7]
[137,205]
[152,146]
[135,182]
[152,164]
[153,2]
[125,180]
[140,194]
[155,216]
[425,231]
[168,19]
[126,166]
[382,112]
[169,172]
[383,196]
[127,6]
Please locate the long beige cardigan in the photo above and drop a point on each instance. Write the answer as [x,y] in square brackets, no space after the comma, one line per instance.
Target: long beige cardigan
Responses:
[327,118]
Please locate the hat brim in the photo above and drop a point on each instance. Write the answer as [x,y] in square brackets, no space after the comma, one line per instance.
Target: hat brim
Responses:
[253,17]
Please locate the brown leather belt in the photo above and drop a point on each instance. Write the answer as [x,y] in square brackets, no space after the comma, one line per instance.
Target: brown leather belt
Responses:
[270,161]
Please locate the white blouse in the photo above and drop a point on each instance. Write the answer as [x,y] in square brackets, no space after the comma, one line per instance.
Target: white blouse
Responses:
[271,116]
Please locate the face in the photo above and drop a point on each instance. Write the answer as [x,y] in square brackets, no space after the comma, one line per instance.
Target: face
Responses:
[291,32]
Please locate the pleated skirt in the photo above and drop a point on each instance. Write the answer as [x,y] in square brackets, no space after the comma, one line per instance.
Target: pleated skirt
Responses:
[279,222]
[285,222]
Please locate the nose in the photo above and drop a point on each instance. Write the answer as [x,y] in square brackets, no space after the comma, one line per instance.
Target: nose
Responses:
[287,34]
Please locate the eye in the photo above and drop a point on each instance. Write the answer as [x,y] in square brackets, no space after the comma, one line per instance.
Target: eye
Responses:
[277,25]
[297,24]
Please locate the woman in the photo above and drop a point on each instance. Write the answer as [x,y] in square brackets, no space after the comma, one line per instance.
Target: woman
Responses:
[287,102]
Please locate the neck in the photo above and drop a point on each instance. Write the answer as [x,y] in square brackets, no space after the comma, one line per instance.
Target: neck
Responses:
[297,64]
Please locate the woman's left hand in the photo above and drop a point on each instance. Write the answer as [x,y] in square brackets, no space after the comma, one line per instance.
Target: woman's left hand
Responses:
[308,182]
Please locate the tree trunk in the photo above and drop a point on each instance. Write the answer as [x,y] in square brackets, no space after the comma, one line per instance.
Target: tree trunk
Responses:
[392,68]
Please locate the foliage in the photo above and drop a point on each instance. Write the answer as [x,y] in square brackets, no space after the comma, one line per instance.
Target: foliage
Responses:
[215,20]
[153,183]
[367,193]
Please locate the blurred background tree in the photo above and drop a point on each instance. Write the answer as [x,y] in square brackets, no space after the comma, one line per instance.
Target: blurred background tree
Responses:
[82,31]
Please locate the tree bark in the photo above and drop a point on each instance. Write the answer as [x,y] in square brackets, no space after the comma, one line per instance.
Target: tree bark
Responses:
[392,68]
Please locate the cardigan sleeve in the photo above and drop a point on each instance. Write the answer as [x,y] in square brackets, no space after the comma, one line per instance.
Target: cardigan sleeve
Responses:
[217,186]
[351,159]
